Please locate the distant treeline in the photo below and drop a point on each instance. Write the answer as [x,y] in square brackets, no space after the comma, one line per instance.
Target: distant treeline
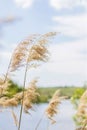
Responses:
[47,92]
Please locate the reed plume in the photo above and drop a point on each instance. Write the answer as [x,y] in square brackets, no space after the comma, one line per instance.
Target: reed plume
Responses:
[81,114]
[29,53]
[52,107]
[30,96]
[20,53]
[36,53]
[18,59]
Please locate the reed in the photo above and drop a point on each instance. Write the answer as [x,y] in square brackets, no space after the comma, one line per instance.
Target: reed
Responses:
[29,53]
[52,109]
[81,114]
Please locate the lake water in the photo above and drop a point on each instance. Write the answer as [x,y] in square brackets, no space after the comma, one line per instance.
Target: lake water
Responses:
[63,118]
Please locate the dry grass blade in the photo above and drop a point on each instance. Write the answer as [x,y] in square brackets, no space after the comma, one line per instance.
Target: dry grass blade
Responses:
[15,118]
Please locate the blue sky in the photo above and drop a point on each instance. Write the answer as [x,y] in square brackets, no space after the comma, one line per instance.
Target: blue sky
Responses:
[68,60]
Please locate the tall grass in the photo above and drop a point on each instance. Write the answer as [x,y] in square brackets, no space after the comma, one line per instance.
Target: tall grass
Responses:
[81,114]
[52,108]
[29,53]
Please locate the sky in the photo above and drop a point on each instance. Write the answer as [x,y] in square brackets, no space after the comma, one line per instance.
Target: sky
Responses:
[68,59]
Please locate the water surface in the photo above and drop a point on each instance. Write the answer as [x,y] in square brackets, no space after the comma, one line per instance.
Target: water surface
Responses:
[63,118]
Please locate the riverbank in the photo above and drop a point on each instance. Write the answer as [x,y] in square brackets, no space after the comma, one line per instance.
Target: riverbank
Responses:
[47,92]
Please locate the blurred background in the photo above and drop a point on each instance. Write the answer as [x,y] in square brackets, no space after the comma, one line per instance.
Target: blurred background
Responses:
[68,61]
[67,67]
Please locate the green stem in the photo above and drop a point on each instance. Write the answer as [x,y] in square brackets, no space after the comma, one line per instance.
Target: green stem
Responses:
[21,110]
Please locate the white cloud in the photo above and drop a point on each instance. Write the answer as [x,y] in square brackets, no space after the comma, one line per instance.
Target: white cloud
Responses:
[61,4]
[68,58]
[67,65]
[24,3]
[75,25]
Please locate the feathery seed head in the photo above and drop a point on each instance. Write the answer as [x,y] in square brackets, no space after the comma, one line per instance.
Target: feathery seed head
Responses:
[30,96]
[52,107]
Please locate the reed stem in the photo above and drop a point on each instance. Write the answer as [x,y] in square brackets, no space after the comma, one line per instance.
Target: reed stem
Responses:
[21,110]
